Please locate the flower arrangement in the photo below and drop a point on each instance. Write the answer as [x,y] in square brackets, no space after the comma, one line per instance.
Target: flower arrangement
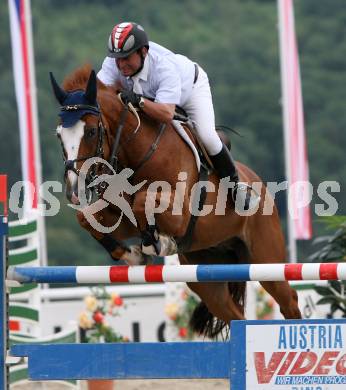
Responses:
[93,321]
[264,305]
[180,314]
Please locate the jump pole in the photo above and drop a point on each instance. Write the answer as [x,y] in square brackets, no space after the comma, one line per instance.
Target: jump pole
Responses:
[178,273]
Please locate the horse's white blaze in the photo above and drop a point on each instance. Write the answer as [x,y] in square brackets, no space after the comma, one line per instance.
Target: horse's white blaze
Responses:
[71,138]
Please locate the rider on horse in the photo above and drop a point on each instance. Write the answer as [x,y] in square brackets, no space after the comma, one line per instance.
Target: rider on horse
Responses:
[156,81]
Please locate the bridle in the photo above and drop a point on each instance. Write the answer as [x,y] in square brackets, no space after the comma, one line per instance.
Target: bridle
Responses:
[102,134]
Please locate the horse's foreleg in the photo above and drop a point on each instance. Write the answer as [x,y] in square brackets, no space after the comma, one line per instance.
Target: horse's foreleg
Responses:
[113,242]
[162,209]
[159,222]
[111,245]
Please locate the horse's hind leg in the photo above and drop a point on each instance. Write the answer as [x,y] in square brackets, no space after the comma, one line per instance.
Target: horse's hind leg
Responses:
[285,296]
[218,300]
[269,247]
[281,291]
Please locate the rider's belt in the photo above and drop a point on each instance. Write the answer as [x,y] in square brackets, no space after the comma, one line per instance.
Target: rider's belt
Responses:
[196,74]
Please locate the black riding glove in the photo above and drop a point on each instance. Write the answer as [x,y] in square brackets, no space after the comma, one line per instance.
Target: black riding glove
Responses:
[130,97]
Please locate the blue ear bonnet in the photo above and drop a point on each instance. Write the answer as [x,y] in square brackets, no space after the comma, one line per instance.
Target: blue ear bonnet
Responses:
[74,106]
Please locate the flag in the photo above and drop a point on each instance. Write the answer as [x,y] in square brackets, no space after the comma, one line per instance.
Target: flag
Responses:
[3,194]
[25,88]
[297,166]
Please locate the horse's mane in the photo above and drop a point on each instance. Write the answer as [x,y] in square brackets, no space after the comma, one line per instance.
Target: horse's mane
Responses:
[78,79]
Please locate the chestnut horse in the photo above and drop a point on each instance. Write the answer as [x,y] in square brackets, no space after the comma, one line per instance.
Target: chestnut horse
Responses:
[157,153]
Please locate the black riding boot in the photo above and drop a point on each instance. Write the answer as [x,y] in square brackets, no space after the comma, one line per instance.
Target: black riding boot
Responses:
[225,167]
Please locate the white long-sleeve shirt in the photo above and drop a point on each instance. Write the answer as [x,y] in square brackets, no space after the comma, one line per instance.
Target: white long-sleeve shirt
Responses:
[166,77]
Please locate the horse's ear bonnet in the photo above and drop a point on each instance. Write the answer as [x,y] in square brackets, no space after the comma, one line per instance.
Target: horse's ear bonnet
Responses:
[78,103]
[59,93]
[91,89]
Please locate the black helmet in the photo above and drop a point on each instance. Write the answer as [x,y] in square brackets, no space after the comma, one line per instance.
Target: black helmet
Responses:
[125,39]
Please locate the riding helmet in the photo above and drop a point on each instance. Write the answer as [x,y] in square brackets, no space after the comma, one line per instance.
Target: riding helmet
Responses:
[125,39]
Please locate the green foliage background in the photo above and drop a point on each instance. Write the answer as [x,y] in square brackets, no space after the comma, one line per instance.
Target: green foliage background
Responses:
[236,41]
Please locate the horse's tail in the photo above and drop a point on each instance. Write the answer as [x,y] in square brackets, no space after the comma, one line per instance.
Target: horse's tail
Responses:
[205,323]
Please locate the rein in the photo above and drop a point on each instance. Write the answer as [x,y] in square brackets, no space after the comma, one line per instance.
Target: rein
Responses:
[113,160]
[116,145]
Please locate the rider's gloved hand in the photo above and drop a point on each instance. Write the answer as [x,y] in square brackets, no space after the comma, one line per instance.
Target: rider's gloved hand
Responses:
[130,97]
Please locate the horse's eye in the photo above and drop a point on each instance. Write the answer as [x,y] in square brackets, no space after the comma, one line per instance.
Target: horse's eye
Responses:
[90,133]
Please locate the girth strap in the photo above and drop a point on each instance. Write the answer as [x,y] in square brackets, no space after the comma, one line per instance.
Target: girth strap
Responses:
[184,243]
[152,148]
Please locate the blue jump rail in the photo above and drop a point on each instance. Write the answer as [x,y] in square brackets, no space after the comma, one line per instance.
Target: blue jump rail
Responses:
[127,360]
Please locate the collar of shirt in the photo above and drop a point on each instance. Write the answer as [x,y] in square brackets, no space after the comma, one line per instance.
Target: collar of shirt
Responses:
[143,74]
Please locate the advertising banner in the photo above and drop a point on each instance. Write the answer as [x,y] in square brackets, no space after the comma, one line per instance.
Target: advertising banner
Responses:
[288,355]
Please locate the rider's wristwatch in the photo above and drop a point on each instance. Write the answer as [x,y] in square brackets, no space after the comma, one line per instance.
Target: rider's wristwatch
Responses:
[141,103]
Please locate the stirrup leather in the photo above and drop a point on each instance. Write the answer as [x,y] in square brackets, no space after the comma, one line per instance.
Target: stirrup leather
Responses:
[245,198]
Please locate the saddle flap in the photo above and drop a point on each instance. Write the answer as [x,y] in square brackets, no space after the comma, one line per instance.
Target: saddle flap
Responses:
[189,135]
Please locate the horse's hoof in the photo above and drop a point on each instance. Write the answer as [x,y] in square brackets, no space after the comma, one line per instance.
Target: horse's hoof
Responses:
[152,250]
[149,250]
[135,256]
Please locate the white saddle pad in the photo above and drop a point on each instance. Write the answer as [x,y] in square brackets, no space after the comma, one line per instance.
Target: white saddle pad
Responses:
[181,131]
